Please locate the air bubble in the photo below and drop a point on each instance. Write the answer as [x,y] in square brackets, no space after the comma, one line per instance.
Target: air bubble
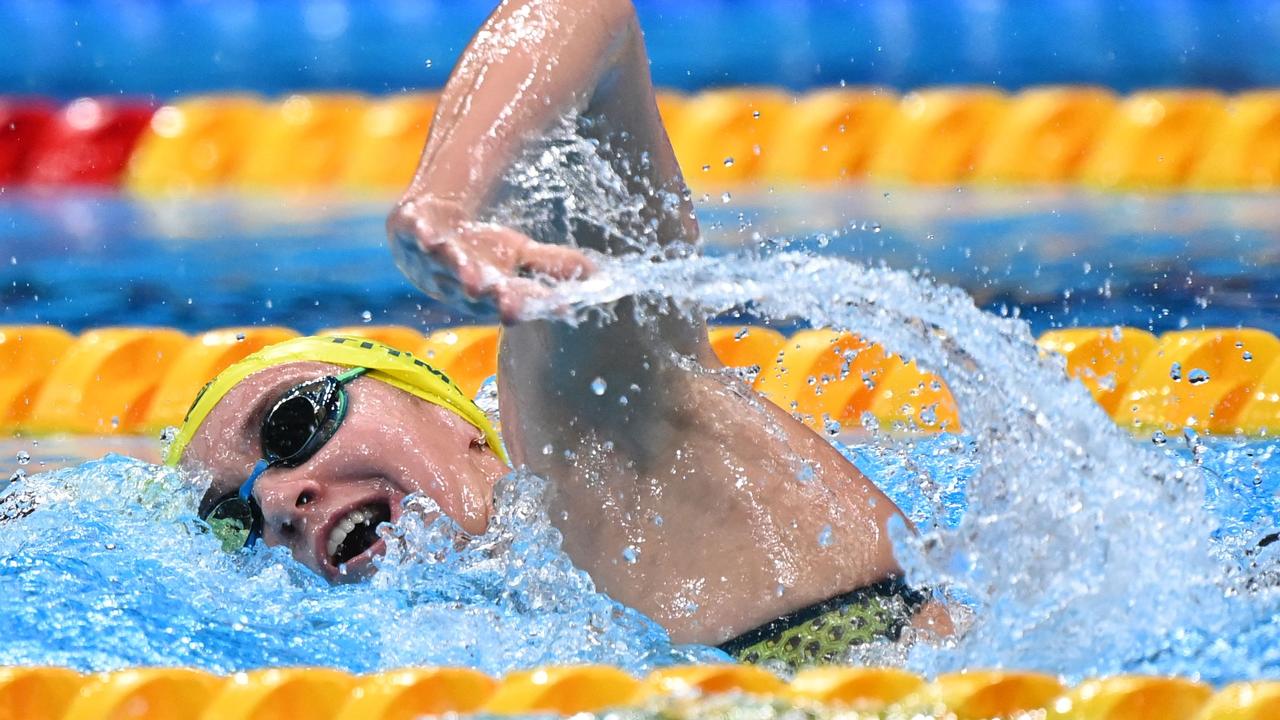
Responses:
[826,537]
[1197,376]
[728,162]
[366,316]
[598,386]
[630,554]
[24,457]
[1159,438]
[1175,372]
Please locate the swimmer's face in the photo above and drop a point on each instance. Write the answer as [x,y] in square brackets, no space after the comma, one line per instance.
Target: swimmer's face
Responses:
[389,445]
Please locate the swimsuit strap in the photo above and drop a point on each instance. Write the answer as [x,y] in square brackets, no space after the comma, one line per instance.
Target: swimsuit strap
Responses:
[823,632]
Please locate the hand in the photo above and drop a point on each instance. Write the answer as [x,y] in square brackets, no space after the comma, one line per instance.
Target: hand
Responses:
[461,261]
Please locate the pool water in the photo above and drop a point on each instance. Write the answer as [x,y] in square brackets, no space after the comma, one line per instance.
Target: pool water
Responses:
[1056,257]
[1063,542]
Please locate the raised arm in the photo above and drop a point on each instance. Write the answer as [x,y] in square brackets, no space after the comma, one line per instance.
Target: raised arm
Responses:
[531,64]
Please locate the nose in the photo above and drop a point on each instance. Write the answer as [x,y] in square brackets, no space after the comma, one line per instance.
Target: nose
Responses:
[287,497]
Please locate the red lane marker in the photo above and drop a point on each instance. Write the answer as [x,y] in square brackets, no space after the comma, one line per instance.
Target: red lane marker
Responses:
[88,142]
[22,121]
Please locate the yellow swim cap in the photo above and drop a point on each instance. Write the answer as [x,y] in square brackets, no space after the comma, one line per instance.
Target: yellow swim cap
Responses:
[396,368]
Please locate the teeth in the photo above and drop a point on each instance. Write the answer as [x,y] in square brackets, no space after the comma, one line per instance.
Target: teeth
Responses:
[345,526]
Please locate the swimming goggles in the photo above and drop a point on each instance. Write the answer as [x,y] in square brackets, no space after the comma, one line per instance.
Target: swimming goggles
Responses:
[295,428]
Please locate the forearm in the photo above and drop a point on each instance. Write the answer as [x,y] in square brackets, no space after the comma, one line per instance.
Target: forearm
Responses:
[532,62]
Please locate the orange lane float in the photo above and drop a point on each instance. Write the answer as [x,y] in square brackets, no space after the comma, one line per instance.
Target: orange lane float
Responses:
[178,693]
[1201,379]
[1243,150]
[857,688]
[193,145]
[1132,698]
[390,135]
[710,679]
[37,693]
[988,694]
[742,346]
[1044,134]
[1154,139]
[28,353]
[937,135]
[200,361]
[105,380]
[281,693]
[144,693]
[114,380]
[830,136]
[722,136]
[415,692]
[1150,140]
[1104,359]
[563,690]
[300,143]
[468,355]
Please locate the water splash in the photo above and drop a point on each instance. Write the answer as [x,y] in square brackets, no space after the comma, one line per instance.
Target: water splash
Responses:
[105,566]
[1073,531]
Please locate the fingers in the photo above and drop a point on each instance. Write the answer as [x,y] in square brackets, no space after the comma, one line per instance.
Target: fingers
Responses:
[513,295]
[557,262]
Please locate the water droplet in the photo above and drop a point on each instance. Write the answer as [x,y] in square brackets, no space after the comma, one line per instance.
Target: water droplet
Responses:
[875,227]
[1247,356]
[1159,438]
[825,537]
[1175,372]
[706,168]
[24,457]
[366,316]
[598,386]
[630,554]
[1197,376]
[240,337]
[728,162]
[755,114]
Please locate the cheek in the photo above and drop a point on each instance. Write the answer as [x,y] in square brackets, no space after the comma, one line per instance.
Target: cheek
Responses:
[421,451]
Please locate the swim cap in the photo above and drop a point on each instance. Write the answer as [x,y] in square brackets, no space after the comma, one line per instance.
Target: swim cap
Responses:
[396,368]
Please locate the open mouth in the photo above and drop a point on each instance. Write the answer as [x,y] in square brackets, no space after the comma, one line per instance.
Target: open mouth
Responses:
[355,533]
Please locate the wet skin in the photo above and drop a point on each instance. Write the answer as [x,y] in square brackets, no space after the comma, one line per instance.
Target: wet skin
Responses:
[390,445]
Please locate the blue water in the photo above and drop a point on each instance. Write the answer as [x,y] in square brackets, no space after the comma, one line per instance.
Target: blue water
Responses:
[1057,258]
[164,47]
[1047,528]
[103,565]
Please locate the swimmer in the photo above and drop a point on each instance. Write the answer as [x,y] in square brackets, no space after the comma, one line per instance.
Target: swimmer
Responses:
[714,512]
